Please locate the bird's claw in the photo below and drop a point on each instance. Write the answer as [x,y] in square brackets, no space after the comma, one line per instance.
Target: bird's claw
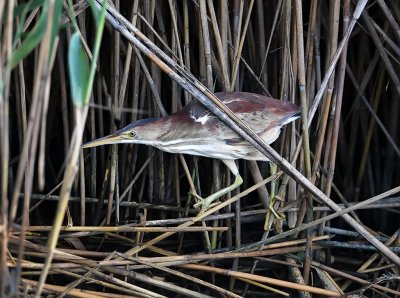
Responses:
[202,204]
[195,195]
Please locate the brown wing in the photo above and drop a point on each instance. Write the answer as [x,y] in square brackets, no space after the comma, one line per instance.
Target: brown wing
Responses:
[250,103]
[259,112]
[250,106]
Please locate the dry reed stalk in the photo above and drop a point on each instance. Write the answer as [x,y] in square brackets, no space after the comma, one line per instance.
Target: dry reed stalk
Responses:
[123,193]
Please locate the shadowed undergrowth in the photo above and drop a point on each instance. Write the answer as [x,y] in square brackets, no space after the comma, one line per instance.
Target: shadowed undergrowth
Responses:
[117,221]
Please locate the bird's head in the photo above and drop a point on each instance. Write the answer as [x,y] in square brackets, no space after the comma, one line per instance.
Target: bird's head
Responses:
[145,131]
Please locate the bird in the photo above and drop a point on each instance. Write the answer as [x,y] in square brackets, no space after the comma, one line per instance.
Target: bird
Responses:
[195,130]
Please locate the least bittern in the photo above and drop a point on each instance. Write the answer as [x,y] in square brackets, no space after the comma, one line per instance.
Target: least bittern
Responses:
[195,130]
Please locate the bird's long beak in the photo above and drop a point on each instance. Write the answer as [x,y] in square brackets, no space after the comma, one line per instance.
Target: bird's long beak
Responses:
[107,140]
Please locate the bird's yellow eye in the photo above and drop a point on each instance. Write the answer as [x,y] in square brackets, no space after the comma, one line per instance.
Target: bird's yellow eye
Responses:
[132,134]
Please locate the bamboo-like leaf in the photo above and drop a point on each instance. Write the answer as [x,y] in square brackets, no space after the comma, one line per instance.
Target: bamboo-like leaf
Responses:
[30,42]
[56,21]
[94,10]
[78,70]
[34,37]
[24,8]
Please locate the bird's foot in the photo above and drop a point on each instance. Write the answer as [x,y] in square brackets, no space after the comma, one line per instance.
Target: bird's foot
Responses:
[272,211]
[203,204]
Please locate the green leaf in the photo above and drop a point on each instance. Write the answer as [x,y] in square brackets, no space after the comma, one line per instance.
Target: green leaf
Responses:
[24,8]
[56,22]
[78,70]
[30,42]
[94,10]
[34,36]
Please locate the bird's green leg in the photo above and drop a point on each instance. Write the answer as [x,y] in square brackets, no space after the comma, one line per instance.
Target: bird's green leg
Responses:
[273,198]
[208,202]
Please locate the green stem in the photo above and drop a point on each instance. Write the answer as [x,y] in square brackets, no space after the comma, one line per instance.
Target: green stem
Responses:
[71,169]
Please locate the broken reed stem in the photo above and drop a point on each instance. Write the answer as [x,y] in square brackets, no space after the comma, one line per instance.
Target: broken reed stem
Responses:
[264,44]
